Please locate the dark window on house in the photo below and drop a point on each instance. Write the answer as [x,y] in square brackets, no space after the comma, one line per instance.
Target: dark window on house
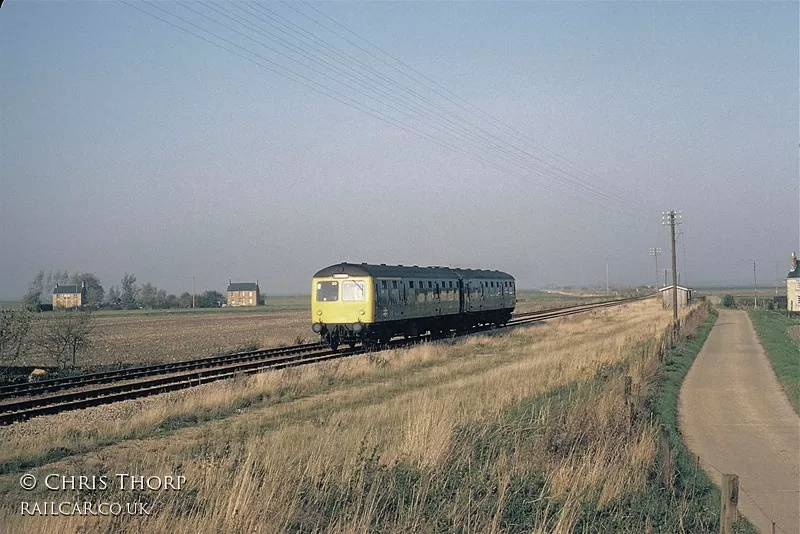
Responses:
[327,291]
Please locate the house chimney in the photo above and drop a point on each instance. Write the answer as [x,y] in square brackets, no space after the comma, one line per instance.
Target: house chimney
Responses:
[794,261]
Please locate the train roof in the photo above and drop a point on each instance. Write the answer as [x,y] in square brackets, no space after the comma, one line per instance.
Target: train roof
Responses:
[404,271]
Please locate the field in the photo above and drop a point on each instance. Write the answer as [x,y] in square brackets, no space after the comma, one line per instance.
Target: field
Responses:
[527,431]
[159,336]
[783,350]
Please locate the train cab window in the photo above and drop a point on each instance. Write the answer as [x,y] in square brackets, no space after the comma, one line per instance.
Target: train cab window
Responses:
[327,291]
[353,291]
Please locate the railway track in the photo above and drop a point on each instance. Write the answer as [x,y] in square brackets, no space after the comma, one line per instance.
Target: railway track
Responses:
[20,402]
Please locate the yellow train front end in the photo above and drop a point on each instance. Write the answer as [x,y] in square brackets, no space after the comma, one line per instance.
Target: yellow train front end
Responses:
[342,307]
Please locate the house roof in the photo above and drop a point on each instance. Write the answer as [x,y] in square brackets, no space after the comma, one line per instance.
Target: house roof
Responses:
[61,290]
[795,273]
[402,271]
[680,288]
[243,286]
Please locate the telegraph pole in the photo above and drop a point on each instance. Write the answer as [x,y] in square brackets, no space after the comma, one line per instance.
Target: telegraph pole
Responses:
[656,252]
[755,287]
[671,218]
[606,275]
[193,291]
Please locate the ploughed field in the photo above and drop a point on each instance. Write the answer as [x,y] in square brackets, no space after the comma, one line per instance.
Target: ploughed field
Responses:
[144,339]
[148,337]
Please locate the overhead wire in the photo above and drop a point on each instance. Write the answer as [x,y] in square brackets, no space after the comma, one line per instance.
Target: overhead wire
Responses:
[340,97]
[331,93]
[486,117]
[452,128]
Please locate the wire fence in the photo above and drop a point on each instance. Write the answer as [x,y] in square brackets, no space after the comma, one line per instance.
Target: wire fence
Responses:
[742,489]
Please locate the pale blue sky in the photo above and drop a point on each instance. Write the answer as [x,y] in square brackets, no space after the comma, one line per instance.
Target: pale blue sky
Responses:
[128,145]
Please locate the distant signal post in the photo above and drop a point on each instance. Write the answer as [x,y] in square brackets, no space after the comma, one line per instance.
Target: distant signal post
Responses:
[656,252]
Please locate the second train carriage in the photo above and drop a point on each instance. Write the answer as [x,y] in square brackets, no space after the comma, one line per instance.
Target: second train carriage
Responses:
[367,303]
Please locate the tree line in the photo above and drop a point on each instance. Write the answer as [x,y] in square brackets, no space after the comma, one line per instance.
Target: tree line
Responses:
[128,295]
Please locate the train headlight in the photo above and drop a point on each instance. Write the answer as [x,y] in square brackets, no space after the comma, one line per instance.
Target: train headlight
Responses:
[316,327]
[357,327]
[361,312]
[319,312]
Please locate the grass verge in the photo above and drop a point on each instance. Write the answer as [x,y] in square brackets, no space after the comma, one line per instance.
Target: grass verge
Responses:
[783,353]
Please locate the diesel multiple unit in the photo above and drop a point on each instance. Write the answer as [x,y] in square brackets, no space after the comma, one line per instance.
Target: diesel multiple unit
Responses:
[353,303]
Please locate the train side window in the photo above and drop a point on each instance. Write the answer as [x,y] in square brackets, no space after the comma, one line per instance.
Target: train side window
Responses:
[394,284]
[430,285]
[411,284]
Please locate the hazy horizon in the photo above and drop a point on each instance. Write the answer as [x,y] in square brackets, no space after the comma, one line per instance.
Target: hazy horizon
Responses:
[534,138]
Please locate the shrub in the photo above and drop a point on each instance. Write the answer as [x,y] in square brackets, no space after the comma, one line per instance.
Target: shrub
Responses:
[728,301]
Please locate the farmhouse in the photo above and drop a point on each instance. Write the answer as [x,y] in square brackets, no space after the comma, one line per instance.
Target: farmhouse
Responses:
[66,297]
[243,294]
[793,287]
[684,296]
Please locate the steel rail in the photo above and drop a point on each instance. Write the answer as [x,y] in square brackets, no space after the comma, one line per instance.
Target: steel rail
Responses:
[58,384]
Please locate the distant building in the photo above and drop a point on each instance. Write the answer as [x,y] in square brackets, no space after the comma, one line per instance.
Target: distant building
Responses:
[793,287]
[66,297]
[684,296]
[243,294]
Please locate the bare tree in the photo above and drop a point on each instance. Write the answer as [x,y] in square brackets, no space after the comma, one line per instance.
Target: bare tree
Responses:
[15,328]
[65,335]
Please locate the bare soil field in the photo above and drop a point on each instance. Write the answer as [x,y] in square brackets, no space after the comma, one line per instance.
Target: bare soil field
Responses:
[143,339]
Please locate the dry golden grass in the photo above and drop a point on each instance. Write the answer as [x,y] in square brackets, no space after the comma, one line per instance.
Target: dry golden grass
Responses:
[412,440]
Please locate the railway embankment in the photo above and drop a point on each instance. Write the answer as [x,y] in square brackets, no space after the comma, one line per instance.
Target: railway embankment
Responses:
[548,428]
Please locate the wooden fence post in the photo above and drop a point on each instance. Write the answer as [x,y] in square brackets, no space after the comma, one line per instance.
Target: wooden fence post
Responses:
[666,458]
[729,503]
[628,402]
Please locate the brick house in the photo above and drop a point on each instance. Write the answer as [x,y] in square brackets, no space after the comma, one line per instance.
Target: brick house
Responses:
[243,294]
[67,297]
